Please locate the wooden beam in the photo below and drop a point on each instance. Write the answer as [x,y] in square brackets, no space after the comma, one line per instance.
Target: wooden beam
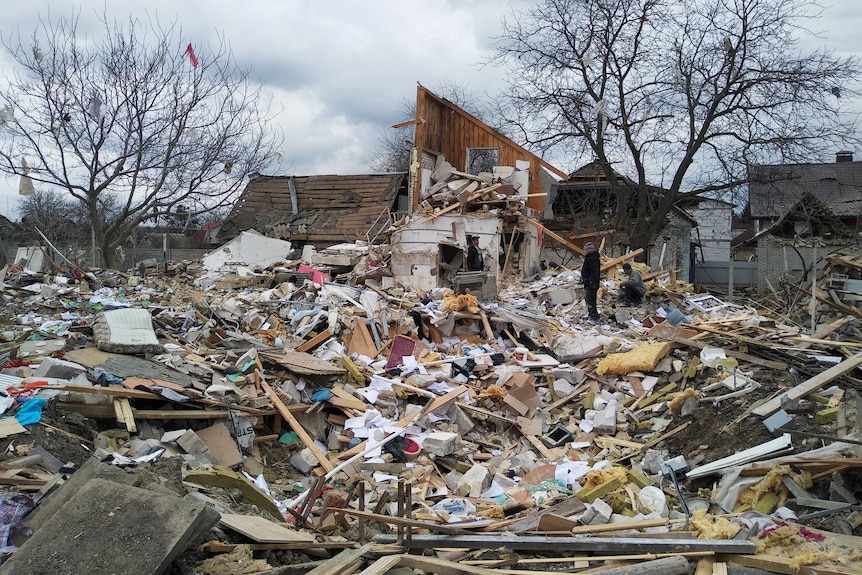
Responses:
[616,261]
[622,545]
[297,427]
[315,341]
[442,567]
[400,521]
[810,385]
[557,238]
[457,205]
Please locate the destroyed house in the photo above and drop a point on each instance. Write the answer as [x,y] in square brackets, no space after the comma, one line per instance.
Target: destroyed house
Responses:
[471,146]
[467,180]
[585,205]
[318,210]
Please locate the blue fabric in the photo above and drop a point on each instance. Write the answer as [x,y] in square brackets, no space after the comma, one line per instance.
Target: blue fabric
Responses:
[31,411]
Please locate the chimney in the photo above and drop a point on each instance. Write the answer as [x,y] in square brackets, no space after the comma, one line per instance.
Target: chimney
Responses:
[844,157]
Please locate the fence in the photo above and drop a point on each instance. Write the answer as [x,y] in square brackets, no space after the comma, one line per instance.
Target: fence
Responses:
[717,274]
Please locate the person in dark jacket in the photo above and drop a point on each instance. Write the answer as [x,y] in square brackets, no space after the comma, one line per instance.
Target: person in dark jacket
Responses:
[633,289]
[474,256]
[591,272]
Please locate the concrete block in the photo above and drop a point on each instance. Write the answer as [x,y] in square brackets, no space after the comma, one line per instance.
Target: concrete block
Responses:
[598,513]
[474,482]
[195,446]
[92,532]
[91,469]
[304,461]
[561,297]
[504,481]
[441,443]
[776,421]
[605,421]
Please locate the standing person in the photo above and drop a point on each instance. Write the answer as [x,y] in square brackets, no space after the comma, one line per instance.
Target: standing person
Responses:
[474,256]
[591,272]
[633,289]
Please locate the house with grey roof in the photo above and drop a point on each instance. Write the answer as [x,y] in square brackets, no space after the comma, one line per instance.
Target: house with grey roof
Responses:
[802,213]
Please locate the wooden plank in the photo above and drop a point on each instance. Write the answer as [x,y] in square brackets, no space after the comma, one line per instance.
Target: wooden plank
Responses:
[784,565]
[263,530]
[443,567]
[107,412]
[382,565]
[123,411]
[823,342]
[297,427]
[361,341]
[315,341]
[704,566]
[639,524]
[337,564]
[809,386]
[733,353]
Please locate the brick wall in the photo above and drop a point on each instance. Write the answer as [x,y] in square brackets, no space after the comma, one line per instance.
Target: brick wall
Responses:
[778,258]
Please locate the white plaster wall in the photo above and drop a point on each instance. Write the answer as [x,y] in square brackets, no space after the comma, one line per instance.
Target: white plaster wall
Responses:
[414,247]
[714,230]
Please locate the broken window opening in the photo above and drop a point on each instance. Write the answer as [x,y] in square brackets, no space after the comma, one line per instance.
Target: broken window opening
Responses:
[482,160]
[450,260]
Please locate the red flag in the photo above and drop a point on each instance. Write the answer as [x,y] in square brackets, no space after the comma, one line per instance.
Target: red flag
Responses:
[192,58]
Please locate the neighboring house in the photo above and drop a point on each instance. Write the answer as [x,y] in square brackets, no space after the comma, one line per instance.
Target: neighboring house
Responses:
[585,203]
[805,199]
[803,212]
[317,210]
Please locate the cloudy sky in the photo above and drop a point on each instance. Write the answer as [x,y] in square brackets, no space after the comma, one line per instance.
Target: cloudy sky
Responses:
[340,69]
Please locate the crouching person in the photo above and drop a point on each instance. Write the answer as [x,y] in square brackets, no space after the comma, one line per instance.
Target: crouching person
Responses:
[632,290]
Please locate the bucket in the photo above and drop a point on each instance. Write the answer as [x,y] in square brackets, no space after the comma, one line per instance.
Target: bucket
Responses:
[520,353]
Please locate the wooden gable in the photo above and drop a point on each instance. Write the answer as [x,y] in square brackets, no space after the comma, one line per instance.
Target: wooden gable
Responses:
[444,128]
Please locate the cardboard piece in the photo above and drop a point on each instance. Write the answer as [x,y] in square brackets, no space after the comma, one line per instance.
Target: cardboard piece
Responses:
[10,426]
[221,444]
[522,396]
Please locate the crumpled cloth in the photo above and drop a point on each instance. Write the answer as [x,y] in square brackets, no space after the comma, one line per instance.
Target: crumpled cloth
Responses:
[12,511]
[31,411]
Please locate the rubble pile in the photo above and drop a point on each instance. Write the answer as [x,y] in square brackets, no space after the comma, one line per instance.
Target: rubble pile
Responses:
[263,418]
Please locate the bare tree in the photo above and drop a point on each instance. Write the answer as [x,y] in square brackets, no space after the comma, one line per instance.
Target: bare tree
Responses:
[49,212]
[136,115]
[681,97]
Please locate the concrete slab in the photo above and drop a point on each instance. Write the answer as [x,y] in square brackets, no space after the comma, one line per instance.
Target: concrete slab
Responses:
[92,469]
[107,528]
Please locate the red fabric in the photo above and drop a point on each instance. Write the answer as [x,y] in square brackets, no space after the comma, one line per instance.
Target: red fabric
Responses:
[192,58]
